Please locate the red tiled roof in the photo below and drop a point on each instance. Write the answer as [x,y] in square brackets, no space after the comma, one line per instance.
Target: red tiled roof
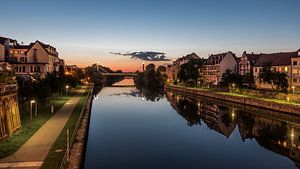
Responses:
[275,59]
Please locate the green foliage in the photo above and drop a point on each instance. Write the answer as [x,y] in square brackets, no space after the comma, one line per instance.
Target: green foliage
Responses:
[229,78]
[17,139]
[6,76]
[151,78]
[248,80]
[277,80]
[188,73]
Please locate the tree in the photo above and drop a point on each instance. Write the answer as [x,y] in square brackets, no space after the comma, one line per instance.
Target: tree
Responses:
[229,78]
[188,73]
[277,80]
[248,80]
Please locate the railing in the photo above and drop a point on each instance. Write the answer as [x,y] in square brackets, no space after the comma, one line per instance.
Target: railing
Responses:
[66,155]
[8,88]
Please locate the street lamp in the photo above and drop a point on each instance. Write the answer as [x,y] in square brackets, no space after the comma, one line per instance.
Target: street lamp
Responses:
[143,66]
[31,103]
[233,87]
[293,87]
[67,88]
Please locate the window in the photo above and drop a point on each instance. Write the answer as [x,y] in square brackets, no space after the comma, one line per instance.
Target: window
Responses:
[295,80]
[24,68]
[23,59]
[295,71]
[13,59]
[31,68]
[295,62]
[286,69]
[255,70]
[279,69]
[22,52]
[16,52]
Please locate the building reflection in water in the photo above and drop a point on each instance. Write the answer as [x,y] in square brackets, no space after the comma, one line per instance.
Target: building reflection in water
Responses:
[275,131]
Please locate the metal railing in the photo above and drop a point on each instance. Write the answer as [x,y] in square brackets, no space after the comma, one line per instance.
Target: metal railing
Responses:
[66,155]
[8,88]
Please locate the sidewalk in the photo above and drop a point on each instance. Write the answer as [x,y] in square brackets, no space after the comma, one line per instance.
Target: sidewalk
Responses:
[35,150]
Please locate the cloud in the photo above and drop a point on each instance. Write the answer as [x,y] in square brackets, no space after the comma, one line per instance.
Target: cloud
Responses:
[148,56]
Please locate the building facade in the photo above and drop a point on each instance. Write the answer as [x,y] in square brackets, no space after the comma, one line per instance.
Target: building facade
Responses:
[34,59]
[5,45]
[284,62]
[216,65]
[247,62]
[172,69]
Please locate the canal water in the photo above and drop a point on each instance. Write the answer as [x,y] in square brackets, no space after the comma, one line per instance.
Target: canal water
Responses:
[130,129]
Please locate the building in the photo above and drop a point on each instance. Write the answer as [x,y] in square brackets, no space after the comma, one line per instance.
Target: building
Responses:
[34,59]
[295,65]
[9,109]
[284,62]
[247,62]
[5,45]
[172,69]
[216,65]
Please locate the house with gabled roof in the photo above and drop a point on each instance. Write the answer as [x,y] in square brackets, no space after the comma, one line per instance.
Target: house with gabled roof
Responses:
[284,62]
[216,65]
[36,58]
[247,62]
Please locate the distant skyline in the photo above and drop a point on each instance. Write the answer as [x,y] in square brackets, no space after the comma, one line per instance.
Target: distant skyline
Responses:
[89,31]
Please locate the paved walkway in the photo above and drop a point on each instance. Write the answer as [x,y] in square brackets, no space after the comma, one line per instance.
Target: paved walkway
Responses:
[32,154]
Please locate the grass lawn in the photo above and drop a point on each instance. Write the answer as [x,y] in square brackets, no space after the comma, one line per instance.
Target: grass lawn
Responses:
[13,143]
[280,101]
[57,152]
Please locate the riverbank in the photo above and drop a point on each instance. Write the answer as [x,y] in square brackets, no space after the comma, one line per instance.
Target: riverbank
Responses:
[78,126]
[241,99]
[28,129]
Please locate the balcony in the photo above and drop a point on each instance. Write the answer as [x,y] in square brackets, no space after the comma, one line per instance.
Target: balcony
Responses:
[12,88]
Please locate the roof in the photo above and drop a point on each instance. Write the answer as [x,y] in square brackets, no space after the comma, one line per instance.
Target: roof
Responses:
[217,58]
[45,46]
[4,39]
[252,57]
[21,47]
[275,59]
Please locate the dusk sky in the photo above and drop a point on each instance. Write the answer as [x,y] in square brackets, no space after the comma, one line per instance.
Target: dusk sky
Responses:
[88,31]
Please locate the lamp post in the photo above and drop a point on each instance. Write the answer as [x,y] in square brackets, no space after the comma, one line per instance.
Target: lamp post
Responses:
[67,89]
[31,103]
[293,87]
[233,87]
[36,109]
[143,66]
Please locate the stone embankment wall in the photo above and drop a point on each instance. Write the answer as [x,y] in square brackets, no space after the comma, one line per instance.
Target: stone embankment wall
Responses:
[77,152]
[237,99]
[9,110]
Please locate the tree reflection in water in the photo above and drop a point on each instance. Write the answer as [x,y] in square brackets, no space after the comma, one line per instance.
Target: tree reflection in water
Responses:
[275,131]
[147,94]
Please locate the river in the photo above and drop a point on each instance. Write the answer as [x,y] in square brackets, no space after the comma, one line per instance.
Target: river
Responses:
[134,130]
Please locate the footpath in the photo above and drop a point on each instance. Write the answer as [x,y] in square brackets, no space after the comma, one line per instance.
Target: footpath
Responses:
[32,154]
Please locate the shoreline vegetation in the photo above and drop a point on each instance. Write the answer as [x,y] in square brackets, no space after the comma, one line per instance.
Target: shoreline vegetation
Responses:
[265,103]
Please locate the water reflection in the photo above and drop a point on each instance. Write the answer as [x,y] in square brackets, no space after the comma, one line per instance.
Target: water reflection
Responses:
[277,132]
[146,94]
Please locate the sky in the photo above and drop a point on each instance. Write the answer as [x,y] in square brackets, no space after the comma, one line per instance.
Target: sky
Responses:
[90,31]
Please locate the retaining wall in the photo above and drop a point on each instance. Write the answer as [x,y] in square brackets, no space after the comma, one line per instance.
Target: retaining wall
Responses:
[237,99]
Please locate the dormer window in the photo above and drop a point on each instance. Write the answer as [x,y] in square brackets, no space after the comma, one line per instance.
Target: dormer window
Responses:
[298,52]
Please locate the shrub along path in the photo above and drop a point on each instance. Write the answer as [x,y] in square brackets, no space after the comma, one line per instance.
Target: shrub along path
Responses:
[34,151]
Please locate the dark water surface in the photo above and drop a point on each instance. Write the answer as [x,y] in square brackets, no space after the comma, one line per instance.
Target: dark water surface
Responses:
[129,131]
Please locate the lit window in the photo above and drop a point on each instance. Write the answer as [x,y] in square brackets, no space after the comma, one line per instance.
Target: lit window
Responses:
[286,69]
[295,71]
[279,69]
